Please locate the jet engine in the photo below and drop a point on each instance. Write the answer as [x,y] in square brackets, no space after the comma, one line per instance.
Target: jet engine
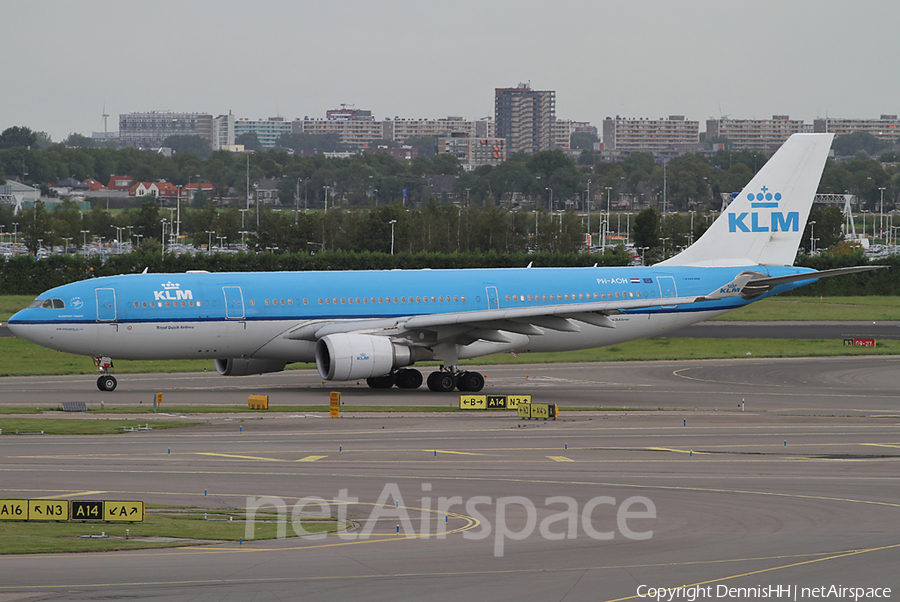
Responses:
[244,367]
[348,356]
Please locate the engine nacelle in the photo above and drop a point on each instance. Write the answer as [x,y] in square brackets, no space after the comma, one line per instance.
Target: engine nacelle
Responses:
[348,356]
[244,367]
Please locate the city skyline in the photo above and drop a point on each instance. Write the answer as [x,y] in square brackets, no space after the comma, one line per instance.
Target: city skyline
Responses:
[698,58]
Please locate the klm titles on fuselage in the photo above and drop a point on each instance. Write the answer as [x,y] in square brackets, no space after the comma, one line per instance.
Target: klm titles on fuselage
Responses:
[778,221]
[170,288]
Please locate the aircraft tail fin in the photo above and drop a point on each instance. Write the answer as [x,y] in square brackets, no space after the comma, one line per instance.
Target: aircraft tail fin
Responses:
[764,223]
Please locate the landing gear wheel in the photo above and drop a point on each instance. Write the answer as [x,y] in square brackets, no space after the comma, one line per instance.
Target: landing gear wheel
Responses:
[380,382]
[470,381]
[441,382]
[106,383]
[409,378]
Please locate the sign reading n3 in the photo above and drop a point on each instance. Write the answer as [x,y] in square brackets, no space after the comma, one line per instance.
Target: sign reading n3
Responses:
[172,292]
[778,221]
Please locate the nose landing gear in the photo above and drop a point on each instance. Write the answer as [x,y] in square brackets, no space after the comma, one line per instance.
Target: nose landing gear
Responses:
[106,382]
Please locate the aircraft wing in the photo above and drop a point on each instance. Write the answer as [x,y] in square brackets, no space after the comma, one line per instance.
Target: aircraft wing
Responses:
[486,324]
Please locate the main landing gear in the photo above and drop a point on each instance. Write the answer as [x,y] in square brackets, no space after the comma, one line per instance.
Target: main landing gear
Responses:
[106,382]
[442,381]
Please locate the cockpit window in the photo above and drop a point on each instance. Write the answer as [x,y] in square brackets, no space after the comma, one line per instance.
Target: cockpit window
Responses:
[48,303]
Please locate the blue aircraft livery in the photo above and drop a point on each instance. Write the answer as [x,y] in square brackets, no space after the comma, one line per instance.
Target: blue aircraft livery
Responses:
[375,325]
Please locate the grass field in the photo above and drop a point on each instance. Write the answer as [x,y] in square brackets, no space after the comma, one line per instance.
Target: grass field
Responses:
[173,522]
[65,426]
[828,309]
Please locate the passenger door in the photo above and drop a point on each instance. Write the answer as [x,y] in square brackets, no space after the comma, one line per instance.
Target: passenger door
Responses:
[234,302]
[106,304]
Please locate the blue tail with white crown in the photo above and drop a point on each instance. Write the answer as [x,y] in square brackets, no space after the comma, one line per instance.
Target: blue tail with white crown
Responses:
[763,225]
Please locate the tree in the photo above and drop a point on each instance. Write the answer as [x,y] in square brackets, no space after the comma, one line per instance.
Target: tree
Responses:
[250,141]
[582,140]
[850,144]
[42,140]
[426,145]
[75,140]
[189,144]
[17,136]
[646,228]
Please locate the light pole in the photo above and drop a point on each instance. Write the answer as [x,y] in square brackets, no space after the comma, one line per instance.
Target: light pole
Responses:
[163,252]
[812,231]
[66,246]
[84,234]
[664,246]
[881,219]
[392,222]
[243,213]
[209,242]
[589,213]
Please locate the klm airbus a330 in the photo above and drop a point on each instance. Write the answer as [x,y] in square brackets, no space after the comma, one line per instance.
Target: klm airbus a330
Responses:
[374,325]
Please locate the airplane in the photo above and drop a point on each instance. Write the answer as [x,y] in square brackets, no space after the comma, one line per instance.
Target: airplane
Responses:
[376,325]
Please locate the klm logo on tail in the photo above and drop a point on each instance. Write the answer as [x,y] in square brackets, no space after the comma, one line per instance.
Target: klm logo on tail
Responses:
[777,222]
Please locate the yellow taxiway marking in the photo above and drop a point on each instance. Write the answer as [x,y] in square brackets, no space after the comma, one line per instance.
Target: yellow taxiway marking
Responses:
[677,451]
[881,445]
[560,459]
[75,494]
[444,451]
[311,458]
[241,457]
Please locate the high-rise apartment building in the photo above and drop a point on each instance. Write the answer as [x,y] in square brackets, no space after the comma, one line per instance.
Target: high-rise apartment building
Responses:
[649,135]
[473,152]
[267,131]
[223,132]
[149,129]
[355,127]
[400,130]
[758,134]
[525,118]
[885,128]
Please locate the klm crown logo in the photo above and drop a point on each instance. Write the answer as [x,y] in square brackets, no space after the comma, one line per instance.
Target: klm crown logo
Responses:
[766,196]
[777,221]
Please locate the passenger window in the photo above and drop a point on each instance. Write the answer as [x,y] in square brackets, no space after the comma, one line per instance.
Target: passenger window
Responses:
[419,299]
[152,304]
[381,299]
[136,304]
[168,304]
[191,303]
[463,299]
[350,300]
[320,301]
[198,304]
[395,300]
[267,301]
[507,297]
[630,294]
[144,304]
[306,302]
[328,301]
[638,293]
[184,304]
[290,301]
[365,299]
[455,299]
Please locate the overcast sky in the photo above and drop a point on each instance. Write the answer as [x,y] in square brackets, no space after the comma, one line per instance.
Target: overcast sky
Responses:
[419,58]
